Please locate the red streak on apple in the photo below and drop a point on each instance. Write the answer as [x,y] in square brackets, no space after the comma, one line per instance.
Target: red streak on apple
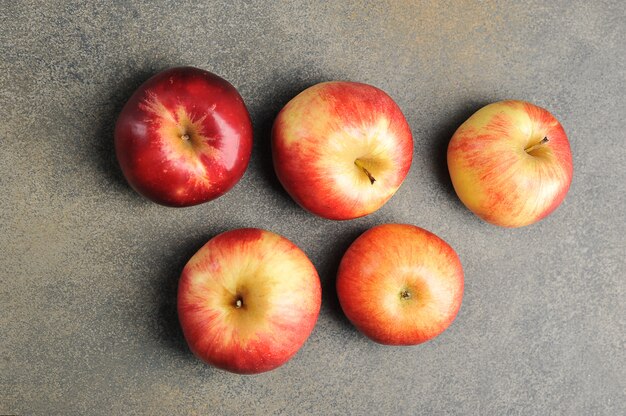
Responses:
[184,137]
[511,163]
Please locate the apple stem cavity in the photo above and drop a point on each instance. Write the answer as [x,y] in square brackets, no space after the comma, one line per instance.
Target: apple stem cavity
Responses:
[537,146]
[367,172]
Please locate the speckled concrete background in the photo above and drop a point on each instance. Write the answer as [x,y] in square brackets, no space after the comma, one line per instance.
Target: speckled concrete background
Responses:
[89,269]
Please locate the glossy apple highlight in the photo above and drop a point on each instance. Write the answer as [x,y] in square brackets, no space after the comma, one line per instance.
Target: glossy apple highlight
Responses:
[184,137]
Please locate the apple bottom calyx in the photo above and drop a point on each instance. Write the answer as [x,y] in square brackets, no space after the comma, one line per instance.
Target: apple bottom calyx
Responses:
[399,284]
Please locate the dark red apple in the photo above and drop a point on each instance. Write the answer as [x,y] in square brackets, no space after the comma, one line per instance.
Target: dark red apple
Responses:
[184,137]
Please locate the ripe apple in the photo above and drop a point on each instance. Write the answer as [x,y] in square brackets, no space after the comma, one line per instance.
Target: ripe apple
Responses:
[510,163]
[184,137]
[400,284]
[248,300]
[341,149]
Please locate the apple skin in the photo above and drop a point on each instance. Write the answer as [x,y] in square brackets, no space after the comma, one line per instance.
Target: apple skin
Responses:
[503,171]
[184,137]
[332,139]
[279,293]
[400,285]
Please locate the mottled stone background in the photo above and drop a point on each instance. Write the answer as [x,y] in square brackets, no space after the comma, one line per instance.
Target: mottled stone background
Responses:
[89,269]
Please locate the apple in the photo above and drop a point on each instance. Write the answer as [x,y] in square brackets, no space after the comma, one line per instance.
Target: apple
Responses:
[184,137]
[400,284]
[341,149]
[510,163]
[248,300]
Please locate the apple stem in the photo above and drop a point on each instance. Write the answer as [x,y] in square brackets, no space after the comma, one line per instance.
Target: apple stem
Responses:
[537,146]
[367,172]
[405,294]
[238,303]
[185,137]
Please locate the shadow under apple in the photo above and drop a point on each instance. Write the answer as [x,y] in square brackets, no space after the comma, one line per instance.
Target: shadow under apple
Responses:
[332,254]
[442,133]
[112,102]
[279,90]
[169,331]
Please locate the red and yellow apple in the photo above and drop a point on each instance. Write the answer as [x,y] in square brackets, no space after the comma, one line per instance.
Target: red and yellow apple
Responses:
[510,163]
[184,137]
[341,149]
[248,300]
[400,284]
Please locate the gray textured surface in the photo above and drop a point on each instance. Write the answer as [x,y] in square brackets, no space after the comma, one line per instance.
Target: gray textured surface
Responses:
[89,269]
